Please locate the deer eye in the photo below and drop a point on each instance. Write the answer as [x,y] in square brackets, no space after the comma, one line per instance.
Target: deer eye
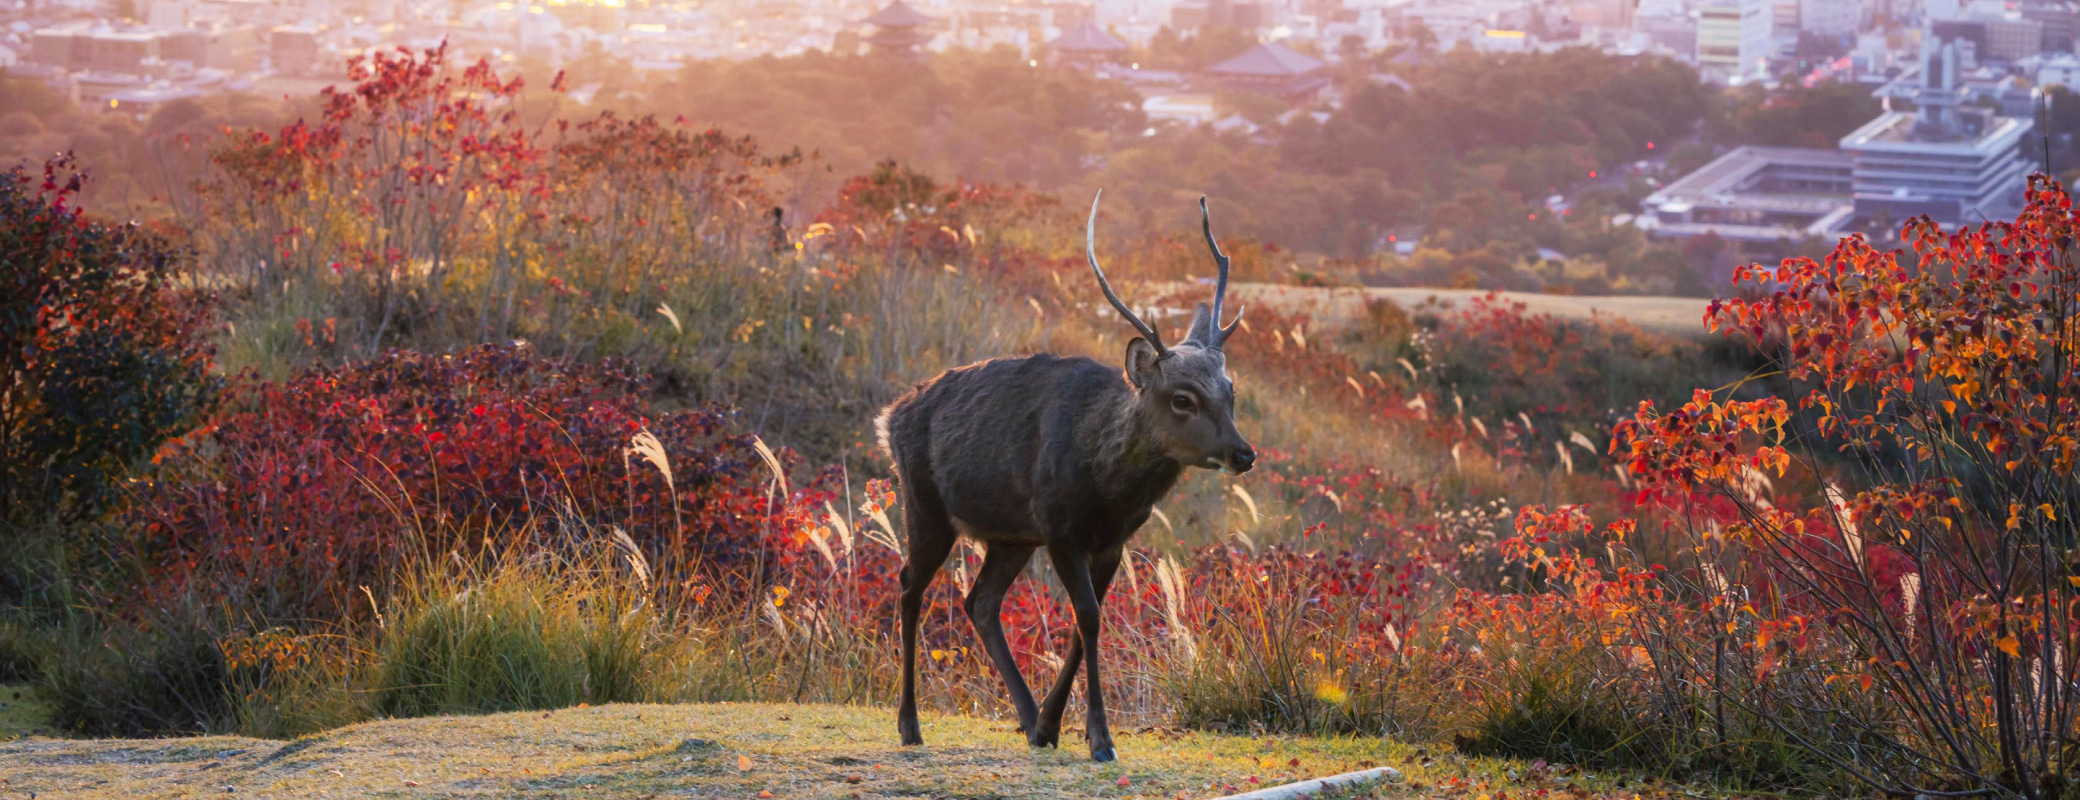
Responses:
[1181,402]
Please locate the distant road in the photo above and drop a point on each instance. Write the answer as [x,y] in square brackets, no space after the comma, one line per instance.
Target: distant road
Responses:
[1680,315]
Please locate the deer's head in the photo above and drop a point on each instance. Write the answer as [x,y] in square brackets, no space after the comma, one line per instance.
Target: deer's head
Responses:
[1184,394]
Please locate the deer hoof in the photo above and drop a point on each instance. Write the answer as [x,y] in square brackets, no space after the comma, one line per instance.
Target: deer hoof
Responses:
[909,732]
[1038,739]
[1102,754]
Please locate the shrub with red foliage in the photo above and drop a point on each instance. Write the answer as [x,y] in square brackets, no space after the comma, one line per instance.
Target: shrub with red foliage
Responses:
[912,216]
[101,358]
[310,489]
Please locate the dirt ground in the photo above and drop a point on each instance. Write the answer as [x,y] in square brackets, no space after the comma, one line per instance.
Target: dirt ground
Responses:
[757,751]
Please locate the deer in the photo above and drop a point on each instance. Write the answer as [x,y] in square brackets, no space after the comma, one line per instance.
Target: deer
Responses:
[1068,454]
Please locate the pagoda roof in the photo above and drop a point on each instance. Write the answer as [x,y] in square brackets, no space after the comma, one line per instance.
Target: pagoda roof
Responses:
[1268,60]
[1087,37]
[1409,57]
[897,15]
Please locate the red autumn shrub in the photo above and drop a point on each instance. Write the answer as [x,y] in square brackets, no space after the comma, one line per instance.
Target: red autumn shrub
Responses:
[101,357]
[907,215]
[1909,621]
[310,489]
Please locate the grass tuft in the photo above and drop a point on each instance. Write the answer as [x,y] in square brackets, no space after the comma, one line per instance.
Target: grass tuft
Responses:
[509,635]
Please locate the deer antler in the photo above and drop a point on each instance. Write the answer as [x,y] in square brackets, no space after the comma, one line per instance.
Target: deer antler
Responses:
[1219,334]
[1090,250]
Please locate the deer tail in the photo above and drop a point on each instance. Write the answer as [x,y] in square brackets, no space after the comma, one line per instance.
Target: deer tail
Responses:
[881,431]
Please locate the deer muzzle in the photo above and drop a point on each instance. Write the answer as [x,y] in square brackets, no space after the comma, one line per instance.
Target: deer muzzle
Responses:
[1240,460]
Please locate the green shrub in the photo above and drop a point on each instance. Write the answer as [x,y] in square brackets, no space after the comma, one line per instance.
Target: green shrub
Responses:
[163,675]
[101,358]
[19,645]
[544,633]
[1553,709]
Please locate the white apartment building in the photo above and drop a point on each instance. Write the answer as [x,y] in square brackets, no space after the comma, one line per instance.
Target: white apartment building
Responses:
[1829,17]
[1734,39]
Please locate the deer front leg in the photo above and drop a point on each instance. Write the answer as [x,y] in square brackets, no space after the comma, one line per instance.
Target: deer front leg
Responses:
[985,606]
[931,539]
[1075,569]
[1104,568]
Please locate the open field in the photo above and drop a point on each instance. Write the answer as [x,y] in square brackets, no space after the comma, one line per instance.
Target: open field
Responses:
[737,750]
[1676,315]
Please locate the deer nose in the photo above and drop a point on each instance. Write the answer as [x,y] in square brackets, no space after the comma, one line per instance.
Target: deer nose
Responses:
[1242,459]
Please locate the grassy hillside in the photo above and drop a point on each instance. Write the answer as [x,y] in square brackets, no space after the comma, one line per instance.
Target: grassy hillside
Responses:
[1682,316]
[734,750]
[583,419]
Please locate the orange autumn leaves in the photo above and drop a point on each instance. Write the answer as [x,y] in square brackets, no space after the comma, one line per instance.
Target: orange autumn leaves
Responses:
[1913,574]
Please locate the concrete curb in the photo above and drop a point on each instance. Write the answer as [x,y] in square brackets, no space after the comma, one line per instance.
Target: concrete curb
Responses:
[1299,789]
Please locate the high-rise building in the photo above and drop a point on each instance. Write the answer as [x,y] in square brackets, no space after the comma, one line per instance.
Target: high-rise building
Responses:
[1606,14]
[1783,25]
[1734,38]
[2010,37]
[2061,21]
[1829,17]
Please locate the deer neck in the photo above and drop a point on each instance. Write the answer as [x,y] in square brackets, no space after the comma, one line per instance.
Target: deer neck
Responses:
[1130,466]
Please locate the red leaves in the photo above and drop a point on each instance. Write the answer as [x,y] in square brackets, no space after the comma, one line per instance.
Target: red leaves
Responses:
[101,358]
[327,462]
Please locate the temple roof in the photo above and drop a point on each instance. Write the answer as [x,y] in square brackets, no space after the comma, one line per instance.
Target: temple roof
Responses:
[897,15]
[1268,60]
[1087,37]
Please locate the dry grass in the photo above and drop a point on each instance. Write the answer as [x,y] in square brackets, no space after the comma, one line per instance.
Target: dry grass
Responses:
[733,750]
[1674,315]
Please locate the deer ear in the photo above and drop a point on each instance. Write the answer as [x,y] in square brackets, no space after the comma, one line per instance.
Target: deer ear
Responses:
[1141,362]
[1201,330]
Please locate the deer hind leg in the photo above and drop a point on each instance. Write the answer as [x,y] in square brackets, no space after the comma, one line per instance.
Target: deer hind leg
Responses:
[985,606]
[931,538]
[1087,579]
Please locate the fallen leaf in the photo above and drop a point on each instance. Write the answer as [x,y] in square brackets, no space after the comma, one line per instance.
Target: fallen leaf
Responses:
[1124,781]
[744,763]
[411,783]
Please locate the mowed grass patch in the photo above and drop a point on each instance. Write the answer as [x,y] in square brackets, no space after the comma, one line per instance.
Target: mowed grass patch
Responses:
[723,750]
[22,713]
